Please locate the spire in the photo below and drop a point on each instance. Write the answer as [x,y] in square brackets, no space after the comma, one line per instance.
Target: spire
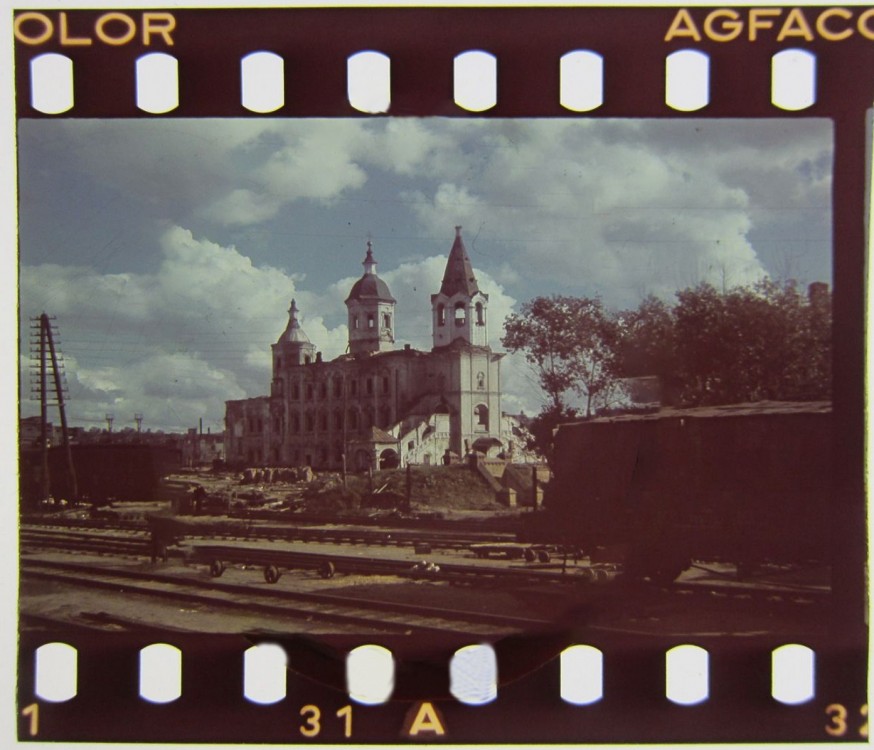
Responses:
[458,276]
[293,331]
[369,263]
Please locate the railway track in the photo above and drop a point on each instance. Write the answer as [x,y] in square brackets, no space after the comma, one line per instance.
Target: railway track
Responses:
[371,615]
[339,534]
[276,559]
[216,555]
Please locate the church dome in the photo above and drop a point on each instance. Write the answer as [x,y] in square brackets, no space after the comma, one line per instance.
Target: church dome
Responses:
[293,333]
[370,287]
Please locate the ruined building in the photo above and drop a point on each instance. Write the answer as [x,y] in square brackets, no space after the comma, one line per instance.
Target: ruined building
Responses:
[380,406]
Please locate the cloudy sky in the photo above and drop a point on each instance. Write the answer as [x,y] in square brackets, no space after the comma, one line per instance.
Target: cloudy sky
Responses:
[168,250]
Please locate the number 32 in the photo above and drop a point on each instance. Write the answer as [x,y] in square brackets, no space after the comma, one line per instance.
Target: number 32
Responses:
[837,726]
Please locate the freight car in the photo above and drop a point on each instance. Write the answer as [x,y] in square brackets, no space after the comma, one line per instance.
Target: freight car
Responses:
[743,483]
[104,472]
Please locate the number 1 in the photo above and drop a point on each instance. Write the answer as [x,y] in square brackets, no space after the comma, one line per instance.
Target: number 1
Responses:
[346,713]
[32,712]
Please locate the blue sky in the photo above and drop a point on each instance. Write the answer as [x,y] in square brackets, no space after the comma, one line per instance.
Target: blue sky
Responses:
[169,249]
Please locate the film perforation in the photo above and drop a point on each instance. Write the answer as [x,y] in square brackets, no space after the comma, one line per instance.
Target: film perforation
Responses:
[794,80]
[793,674]
[582,679]
[264,673]
[473,674]
[51,80]
[687,680]
[157,83]
[262,81]
[581,80]
[687,80]
[476,80]
[370,674]
[55,674]
[369,82]
[160,670]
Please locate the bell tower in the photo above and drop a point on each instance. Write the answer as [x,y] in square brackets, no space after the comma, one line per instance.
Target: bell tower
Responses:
[371,311]
[459,310]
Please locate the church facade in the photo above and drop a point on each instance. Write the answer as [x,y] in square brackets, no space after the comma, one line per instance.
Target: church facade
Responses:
[378,406]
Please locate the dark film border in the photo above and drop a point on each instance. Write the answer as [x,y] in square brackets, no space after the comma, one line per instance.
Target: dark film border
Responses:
[527,43]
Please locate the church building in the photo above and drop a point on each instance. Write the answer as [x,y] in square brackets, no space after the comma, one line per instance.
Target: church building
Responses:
[378,406]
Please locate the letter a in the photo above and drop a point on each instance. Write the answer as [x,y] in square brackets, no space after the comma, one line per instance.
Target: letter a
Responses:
[427,719]
[683,25]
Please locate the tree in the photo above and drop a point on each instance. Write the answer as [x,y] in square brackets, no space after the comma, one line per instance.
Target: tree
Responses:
[542,427]
[765,342]
[572,341]
[647,339]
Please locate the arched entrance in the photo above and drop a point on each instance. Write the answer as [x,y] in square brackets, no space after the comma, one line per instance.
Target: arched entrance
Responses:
[388,459]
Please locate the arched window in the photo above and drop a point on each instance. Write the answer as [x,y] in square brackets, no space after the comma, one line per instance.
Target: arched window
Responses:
[460,314]
[441,315]
[481,413]
[481,381]
[309,391]
[323,420]
[307,359]
[295,422]
[295,391]
[338,420]
[308,422]
[369,386]
[354,321]
[480,319]
[353,419]
[386,320]
[370,320]
[323,390]
[338,386]
[385,383]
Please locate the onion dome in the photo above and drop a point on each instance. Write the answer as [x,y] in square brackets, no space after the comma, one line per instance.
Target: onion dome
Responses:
[370,287]
[293,332]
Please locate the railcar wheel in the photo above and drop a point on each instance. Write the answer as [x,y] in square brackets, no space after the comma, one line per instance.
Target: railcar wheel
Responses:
[530,555]
[271,574]
[543,556]
[216,568]
[327,569]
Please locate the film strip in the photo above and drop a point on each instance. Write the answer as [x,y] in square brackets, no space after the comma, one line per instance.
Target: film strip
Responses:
[798,673]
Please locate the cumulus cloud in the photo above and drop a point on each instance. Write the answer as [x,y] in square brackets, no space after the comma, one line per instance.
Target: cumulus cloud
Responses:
[175,343]
[604,206]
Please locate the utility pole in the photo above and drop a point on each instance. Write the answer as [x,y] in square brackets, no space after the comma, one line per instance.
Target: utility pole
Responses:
[43,350]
